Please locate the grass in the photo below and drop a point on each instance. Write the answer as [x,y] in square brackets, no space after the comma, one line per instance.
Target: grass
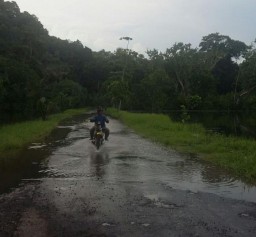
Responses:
[235,154]
[16,136]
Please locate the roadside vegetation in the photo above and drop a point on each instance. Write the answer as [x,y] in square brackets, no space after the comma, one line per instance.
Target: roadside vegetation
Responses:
[237,155]
[16,136]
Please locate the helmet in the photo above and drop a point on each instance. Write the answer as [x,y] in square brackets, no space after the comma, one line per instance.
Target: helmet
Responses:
[99,109]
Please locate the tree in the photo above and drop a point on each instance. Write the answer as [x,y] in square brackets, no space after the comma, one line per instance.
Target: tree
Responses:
[19,87]
[179,64]
[222,45]
[156,59]
[220,51]
[68,94]
[247,75]
[226,72]
[117,90]
[154,90]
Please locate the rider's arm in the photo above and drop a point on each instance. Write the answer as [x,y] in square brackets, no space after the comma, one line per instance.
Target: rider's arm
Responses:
[106,120]
[93,119]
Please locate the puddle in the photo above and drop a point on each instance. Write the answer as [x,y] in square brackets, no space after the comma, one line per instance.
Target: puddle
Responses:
[37,146]
[140,160]
[31,163]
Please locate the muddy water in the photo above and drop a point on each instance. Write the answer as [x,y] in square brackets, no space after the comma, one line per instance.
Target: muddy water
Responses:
[68,161]
[32,162]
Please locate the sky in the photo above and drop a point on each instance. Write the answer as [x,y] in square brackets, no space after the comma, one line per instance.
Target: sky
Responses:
[152,24]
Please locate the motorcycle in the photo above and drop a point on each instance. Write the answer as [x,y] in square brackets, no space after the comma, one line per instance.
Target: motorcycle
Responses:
[98,137]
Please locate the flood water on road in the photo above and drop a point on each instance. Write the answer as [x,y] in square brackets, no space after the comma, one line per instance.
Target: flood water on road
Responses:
[130,187]
[69,157]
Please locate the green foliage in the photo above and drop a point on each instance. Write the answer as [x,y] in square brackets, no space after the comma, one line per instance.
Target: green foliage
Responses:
[154,90]
[35,65]
[246,81]
[194,102]
[222,45]
[69,94]
[184,114]
[19,88]
[226,72]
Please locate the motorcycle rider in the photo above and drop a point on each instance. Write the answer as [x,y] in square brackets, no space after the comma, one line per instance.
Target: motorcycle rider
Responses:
[100,117]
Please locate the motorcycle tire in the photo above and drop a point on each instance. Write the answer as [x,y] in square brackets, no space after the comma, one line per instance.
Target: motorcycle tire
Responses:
[98,143]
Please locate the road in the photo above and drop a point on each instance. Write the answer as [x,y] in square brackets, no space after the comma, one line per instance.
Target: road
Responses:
[131,187]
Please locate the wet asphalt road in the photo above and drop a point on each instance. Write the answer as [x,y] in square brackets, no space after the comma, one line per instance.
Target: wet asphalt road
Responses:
[131,187]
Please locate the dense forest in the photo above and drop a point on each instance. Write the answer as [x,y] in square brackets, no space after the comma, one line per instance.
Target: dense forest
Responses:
[41,73]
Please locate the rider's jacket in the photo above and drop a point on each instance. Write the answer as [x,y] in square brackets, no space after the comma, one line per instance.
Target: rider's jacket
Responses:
[100,118]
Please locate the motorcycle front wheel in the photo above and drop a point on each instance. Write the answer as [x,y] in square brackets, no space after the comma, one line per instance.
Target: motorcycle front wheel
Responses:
[98,143]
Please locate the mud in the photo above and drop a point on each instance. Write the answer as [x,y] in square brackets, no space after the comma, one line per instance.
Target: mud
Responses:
[131,187]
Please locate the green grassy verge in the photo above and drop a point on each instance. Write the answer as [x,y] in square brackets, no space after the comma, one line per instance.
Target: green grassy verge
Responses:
[15,136]
[235,154]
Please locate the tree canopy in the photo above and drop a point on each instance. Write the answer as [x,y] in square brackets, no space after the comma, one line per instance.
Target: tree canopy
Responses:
[218,74]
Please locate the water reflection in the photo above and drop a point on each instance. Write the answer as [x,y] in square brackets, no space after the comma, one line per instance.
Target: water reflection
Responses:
[25,165]
[98,162]
[229,123]
[31,163]
[201,176]
[143,161]
[214,175]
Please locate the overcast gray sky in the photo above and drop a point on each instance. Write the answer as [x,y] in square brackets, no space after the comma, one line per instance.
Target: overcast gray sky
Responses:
[158,24]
